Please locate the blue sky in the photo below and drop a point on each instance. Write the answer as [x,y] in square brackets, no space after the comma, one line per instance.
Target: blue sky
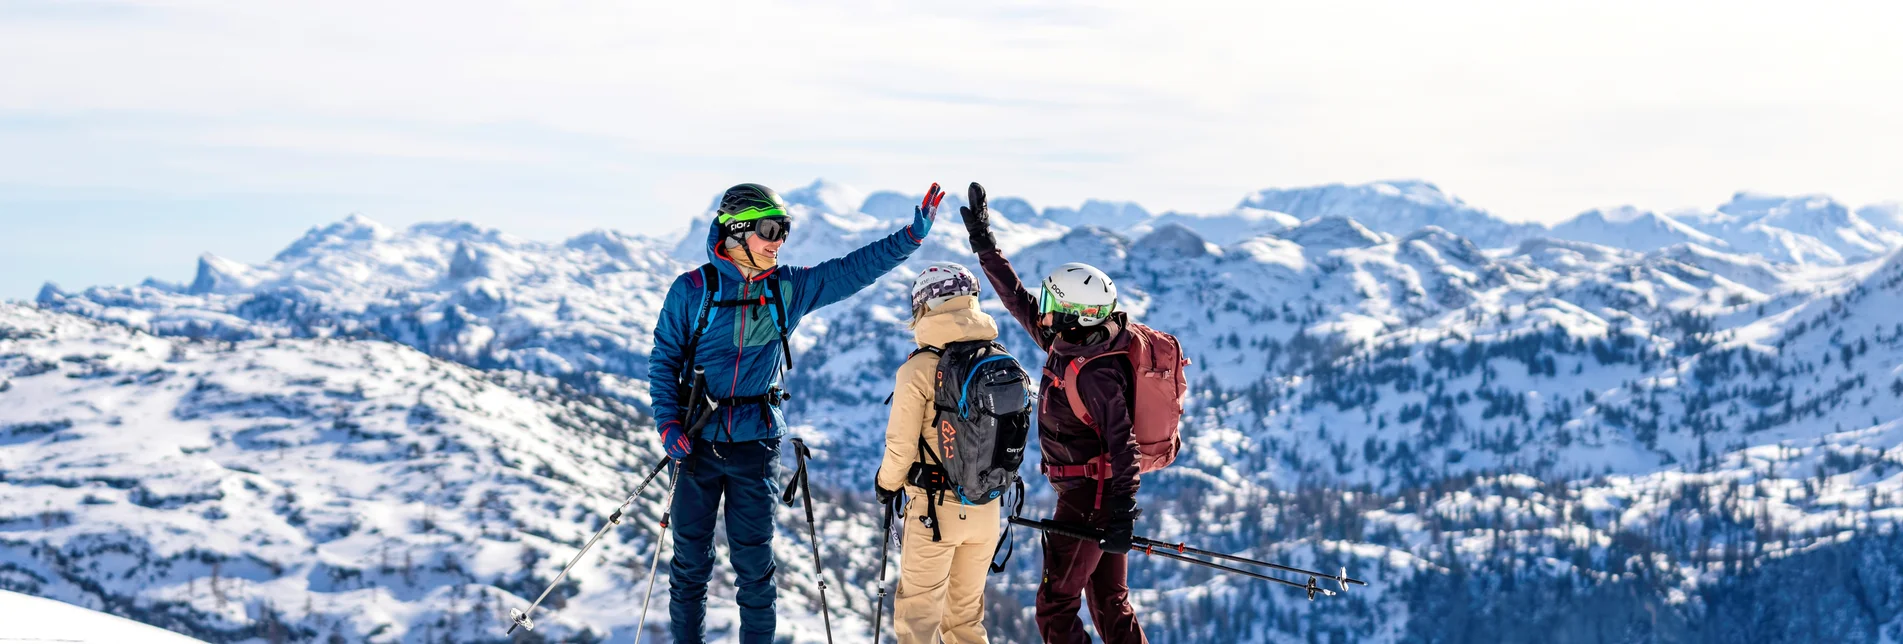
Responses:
[134,136]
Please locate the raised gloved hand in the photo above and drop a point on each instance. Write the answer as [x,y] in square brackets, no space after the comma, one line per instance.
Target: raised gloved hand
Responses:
[978,220]
[926,212]
[674,440]
[1117,536]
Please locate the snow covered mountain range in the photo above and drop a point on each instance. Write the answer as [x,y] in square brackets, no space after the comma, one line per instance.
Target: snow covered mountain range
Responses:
[1658,415]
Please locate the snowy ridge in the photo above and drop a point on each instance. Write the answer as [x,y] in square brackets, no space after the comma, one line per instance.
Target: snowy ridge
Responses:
[1628,227]
[1395,208]
[455,290]
[1810,229]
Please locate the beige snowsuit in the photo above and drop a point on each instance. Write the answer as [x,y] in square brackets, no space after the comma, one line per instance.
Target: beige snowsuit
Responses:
[941,584]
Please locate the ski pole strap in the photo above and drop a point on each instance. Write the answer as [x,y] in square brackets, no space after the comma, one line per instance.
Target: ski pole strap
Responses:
[1004,543]
[797,485]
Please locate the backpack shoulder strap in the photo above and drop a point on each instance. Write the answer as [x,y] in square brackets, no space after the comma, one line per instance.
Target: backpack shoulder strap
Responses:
[779,318]
[1069,384]
[710,288]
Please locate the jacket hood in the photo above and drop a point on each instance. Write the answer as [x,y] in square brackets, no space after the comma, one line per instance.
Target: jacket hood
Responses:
[720,262]
[957,320]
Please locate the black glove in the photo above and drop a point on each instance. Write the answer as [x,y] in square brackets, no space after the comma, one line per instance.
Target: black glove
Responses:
[886,496]
[1117,536]
[978,220]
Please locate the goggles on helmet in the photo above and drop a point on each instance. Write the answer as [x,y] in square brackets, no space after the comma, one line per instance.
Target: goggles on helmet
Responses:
[1050,304]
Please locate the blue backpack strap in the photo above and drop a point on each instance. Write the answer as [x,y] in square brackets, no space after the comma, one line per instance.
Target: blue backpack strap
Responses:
[710,286]
[779,317]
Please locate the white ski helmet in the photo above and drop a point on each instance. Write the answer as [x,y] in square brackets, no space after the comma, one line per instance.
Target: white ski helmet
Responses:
[939,283]
[1081,290]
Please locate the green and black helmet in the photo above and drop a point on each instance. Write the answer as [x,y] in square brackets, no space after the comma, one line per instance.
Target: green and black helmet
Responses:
[750,201]
[751,208]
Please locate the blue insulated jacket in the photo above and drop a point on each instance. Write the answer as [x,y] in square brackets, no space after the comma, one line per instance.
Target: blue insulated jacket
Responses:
[741,347]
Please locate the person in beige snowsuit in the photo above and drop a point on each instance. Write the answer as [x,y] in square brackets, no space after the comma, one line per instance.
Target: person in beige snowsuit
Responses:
[941,583]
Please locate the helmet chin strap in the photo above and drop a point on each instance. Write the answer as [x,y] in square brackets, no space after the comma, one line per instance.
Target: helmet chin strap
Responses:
[753,264]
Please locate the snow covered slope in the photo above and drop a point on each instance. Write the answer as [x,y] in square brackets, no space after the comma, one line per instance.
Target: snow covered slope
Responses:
[37,619]
[1658,428]
[314,489]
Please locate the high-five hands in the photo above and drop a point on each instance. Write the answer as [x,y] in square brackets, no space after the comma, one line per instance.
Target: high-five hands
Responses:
[978,220]
[926,212]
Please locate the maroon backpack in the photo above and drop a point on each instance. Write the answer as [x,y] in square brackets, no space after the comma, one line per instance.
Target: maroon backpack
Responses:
[1156,359]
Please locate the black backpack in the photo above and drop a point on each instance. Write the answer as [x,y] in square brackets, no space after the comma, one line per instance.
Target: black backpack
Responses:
[984,400]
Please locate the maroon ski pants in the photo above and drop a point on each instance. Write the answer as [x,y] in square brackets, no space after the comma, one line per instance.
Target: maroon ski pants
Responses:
[1075,569]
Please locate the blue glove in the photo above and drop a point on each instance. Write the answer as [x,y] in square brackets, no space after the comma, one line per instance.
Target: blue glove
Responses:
[674,440]
[926,211]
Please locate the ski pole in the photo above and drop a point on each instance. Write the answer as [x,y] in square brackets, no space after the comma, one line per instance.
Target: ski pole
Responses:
[812,530]
[1087,534]
[523,619]
[1341,579]
[885,544]
[660,543]
[697,406]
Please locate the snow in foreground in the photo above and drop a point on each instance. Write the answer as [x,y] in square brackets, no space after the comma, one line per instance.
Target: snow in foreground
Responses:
[37,619]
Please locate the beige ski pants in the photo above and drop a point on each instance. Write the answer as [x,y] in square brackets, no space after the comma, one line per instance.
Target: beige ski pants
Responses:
[942,584]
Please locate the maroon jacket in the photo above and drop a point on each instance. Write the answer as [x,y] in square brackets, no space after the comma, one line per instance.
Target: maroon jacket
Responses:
[1103,385]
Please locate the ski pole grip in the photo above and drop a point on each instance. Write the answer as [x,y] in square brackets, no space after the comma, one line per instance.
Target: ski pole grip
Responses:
[1073,532]
[696,406]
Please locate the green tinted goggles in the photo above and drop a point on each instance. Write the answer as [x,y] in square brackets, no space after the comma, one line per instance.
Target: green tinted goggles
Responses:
[1050,304]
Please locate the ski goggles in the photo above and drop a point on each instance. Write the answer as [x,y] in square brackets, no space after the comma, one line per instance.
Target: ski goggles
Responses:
[1050,304]
[770,229]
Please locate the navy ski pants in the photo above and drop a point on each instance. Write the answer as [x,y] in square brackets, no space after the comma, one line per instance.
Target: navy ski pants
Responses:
[745,473]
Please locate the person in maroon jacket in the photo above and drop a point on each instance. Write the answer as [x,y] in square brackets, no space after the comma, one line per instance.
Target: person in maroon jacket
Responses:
[1075,317]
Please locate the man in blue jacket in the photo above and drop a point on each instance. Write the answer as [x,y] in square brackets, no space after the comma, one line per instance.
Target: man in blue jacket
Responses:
[738,333]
